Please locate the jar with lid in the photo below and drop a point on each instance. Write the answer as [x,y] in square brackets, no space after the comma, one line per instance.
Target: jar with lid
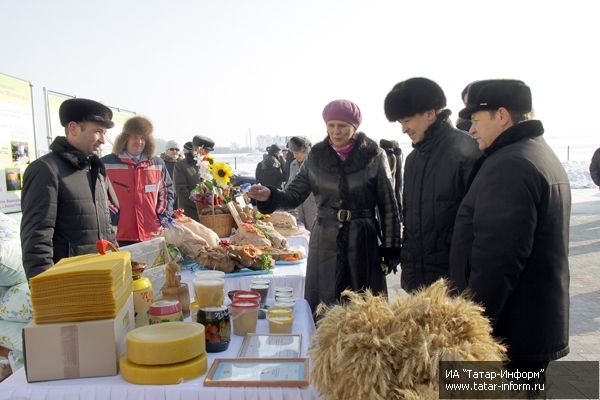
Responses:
[280,323]
[217,327]
[244,314]
[165,311]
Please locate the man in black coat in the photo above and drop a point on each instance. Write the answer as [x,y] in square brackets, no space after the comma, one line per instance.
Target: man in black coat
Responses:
[64,199]
[435,178]
[511,238]
[185,174]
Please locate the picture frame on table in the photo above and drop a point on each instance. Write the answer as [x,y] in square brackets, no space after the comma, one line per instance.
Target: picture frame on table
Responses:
[271,345]
[259,372]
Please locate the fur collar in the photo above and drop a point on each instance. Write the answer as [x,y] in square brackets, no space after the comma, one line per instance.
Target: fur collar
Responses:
[363,154]
[516,133]
[168,158]
[63,149]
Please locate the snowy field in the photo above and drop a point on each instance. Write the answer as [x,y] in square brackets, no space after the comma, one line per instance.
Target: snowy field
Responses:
[578,171]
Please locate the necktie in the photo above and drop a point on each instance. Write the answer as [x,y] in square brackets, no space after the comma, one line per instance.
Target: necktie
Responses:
[136,160]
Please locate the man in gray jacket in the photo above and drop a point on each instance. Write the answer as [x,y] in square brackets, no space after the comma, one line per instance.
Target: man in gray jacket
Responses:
[64,199]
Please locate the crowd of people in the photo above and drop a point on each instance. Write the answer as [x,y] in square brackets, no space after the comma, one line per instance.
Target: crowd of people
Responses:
[485,207]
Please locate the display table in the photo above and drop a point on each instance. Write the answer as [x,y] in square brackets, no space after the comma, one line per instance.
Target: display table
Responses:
[293,276]
[302,238]
[115,388]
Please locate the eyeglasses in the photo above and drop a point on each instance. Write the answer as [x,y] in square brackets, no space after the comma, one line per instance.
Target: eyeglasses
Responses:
[174,149]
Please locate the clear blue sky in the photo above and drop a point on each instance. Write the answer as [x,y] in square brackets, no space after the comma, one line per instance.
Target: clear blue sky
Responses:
[219,68]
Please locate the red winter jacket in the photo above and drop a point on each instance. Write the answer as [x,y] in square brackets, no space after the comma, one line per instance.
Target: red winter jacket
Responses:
[144,195]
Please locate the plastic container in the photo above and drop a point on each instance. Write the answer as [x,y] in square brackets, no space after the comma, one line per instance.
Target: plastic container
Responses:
[194,307]
[210,274]
[285,297]
[244,314]
[260,282]
[217,327]
[209,292]
[280,324]
[246,295]
[153,252]
[284,304]
[278,311]
[261,289]
[143,298]
[165,311]
[284,289]
[158,277]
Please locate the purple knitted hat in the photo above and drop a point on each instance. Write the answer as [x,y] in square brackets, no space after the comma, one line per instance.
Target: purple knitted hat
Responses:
[343,110]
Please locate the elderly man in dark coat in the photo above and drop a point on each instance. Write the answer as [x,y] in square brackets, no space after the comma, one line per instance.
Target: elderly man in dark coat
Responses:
[64,198]
[511,239]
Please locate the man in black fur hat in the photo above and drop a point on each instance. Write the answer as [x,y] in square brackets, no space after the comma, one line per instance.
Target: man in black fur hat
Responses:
[511,239]
[435,178]
[64,198]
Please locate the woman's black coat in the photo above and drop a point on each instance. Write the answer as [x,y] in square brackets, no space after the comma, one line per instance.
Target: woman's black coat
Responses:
[344,254]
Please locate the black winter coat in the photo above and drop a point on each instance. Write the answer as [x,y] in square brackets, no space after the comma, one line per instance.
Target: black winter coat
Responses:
[344,254]
[185,179]
[435,181]
[65,207]
[511,243]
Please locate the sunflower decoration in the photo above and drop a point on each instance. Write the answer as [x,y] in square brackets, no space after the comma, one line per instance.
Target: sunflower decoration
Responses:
[222,174]
[215,181]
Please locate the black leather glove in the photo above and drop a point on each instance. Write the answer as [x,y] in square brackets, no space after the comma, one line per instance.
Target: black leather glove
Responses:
[391,260]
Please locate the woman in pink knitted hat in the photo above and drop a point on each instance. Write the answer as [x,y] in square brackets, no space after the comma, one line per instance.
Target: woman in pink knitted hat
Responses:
[349,175]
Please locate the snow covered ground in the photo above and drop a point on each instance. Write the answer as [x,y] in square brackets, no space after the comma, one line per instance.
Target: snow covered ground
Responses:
[578,171]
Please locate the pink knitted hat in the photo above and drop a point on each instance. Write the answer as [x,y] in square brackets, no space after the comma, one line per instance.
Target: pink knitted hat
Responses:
[343,110]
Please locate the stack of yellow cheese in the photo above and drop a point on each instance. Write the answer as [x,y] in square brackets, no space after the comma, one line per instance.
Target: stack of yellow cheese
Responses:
[164,354]
[82,288]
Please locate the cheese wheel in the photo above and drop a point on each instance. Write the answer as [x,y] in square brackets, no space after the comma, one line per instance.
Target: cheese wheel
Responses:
[163,374]
[166,343]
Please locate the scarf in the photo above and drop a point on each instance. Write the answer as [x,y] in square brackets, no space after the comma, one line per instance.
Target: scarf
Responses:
[343,151]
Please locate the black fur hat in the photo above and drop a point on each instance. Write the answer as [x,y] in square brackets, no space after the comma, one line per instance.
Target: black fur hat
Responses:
[413,96]
[514,95]
[79,110]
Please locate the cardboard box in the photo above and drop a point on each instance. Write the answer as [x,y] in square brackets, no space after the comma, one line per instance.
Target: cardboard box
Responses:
[76,349]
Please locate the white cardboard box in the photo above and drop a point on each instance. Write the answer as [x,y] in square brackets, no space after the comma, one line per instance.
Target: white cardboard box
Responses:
[76,349]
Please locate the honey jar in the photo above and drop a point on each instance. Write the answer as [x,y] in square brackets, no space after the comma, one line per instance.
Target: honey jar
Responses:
[165,311]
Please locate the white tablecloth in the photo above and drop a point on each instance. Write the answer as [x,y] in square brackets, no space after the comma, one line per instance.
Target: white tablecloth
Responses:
[115,388]
[293,276]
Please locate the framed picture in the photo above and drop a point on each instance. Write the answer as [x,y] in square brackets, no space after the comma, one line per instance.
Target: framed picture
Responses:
[234,214]
[264,345]
[258,372]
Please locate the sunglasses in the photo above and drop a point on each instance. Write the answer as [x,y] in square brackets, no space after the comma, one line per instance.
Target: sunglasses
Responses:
[174,149]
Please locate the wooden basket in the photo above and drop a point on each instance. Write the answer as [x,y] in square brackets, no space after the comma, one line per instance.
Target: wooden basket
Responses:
[220,223]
